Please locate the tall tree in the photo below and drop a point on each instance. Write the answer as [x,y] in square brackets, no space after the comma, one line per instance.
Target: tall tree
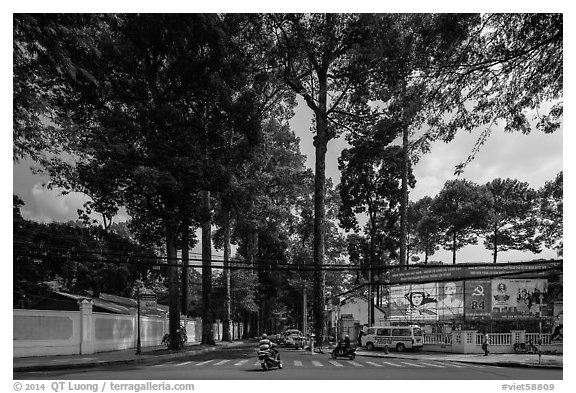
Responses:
[463,209]
[263,95]
[268,188]
[154,107]
[404,48]
[371,183]
[513,223]
[322,57]
[424,227]
[551,213]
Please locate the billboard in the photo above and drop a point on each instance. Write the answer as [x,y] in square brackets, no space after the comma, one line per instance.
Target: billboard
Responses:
[413,303]
[473,271]
[477,298]
[519,298]
[451,300]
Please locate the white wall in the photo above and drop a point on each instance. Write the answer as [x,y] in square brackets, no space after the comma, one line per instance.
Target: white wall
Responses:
[51,332]
[358,307]
[43,332]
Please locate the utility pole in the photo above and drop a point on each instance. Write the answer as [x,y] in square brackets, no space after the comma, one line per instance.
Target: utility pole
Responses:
[370,311]
[304,312]
[138,342]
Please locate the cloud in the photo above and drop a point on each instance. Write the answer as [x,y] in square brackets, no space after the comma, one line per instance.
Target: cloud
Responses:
[534,158]
[51,205]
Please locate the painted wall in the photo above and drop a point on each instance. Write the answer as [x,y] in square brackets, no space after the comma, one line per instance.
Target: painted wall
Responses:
[42,332]
[55,332]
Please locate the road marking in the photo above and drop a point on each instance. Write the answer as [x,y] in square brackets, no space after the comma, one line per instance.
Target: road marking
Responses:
[182,364]
[297,363]
[393,364]
[317,363]
[355,364]
[158,365]
[241,362]
[475,365]
[203,363]
[433,365]
[413,364]
[457,365]
[374,364]
[335,363]
[221,362]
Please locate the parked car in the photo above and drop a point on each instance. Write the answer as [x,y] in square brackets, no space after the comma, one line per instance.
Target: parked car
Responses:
[293,338]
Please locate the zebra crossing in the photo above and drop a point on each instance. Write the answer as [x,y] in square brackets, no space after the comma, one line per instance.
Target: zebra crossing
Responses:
[309,363]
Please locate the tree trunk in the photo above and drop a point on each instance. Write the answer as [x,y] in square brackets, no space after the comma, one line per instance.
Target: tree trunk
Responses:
[246,325]
[226,273]
[185,264]
[173,295]
[495,244]
[454,248]
[371,272]
[320,142]
[252,249]
[404,199]
[207,317]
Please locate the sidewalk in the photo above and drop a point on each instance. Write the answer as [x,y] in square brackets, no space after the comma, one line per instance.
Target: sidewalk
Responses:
[498,359]
[148,355]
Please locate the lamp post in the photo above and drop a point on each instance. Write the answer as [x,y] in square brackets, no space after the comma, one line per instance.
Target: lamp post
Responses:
[138,342]
[304,312]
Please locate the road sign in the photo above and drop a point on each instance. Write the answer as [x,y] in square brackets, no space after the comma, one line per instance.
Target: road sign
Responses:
[148,299]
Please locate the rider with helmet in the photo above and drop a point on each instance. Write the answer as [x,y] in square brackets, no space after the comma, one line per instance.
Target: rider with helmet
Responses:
[266,344]
[344,345]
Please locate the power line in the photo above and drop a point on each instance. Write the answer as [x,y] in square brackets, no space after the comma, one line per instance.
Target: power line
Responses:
[39,252]
[108,252]
[233,265]
[73,252]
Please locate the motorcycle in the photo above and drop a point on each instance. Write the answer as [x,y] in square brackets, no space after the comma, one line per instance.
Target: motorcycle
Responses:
[269,358]
[182,338]
[339,351]
[526,348]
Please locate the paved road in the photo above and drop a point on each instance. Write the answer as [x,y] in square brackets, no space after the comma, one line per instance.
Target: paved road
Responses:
[242,364]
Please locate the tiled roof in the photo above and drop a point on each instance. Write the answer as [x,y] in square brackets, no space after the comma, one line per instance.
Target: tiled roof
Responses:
[117,304]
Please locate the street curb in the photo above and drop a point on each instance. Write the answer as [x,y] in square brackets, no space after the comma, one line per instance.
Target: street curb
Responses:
[491,363]
[142,360]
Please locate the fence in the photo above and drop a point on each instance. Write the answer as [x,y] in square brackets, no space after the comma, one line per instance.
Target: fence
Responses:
[496,339]
[438,338]
[517,336]
[539,338]
[471,341]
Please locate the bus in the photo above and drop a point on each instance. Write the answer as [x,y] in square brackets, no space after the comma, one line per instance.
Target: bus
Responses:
[400,338]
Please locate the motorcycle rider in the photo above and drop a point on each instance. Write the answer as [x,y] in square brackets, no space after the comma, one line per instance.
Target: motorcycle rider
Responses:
[265,344]
[344,345]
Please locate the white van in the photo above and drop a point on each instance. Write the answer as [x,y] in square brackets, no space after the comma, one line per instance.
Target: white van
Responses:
[396,337]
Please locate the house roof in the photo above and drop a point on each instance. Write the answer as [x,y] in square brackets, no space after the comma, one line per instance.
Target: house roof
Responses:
[159,309]
[103,303]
